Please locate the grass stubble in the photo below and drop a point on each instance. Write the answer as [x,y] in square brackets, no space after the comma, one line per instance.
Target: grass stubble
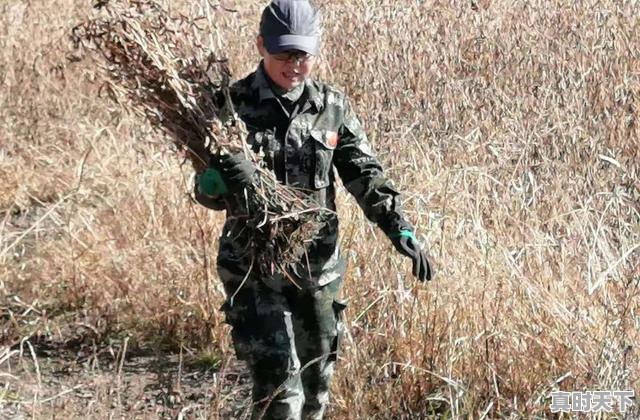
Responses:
[511,127]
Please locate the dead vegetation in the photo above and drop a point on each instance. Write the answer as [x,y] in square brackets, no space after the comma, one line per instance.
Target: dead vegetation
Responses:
[512,127]
[156,63]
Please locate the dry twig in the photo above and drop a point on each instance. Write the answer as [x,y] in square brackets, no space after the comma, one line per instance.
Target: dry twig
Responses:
[156,65]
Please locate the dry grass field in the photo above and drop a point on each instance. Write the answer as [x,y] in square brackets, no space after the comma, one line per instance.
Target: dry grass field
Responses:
[512,128]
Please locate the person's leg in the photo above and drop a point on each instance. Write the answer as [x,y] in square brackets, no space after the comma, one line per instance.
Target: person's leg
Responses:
[318,326]
[263,336]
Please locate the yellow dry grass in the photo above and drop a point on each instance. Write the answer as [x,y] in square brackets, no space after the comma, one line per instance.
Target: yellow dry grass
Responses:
[512,127]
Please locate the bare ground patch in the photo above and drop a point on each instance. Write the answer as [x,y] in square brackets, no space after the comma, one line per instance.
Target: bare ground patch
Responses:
[43,380]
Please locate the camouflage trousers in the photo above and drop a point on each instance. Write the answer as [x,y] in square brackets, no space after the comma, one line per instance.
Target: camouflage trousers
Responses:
[289,338]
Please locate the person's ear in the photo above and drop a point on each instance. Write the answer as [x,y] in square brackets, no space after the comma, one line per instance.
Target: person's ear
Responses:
[260,45]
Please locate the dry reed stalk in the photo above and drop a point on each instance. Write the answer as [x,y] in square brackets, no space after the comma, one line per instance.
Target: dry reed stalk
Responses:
[157,62]
[524,200]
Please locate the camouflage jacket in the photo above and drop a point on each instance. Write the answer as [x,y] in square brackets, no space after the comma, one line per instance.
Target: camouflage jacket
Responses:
[303,148]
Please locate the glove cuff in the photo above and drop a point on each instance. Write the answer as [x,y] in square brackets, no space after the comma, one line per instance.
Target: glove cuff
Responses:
[404,234]
[394,224]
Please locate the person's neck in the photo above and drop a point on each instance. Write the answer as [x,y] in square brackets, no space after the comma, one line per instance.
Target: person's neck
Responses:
[291,95]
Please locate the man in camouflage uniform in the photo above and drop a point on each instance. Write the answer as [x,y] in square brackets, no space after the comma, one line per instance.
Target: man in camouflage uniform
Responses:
[303,128]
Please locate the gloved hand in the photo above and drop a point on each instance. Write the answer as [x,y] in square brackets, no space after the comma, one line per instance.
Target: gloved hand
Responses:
[225,174]
[407,244]
[213,202]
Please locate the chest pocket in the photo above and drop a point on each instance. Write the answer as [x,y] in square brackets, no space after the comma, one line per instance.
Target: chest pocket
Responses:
[325,142]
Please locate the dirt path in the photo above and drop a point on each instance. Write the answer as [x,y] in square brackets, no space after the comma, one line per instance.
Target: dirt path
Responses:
[41,382]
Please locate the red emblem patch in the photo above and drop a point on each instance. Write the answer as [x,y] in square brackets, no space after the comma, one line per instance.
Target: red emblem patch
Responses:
[332,138]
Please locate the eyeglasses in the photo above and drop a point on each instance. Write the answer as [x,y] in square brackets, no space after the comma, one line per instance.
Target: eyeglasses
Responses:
[295,56]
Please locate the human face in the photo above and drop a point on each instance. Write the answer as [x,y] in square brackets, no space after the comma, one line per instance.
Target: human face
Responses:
[289,69]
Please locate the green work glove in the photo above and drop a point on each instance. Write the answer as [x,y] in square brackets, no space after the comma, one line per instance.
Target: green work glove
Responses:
[407,244]
[226,174]
[210,183]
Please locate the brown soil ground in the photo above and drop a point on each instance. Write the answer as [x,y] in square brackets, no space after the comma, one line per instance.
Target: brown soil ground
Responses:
[46,382]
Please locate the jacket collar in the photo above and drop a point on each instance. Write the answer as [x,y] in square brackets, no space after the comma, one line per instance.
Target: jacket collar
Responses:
[261,84]
[313,96]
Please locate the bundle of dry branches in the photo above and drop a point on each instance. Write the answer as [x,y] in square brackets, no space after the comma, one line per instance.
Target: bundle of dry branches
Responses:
[158,64]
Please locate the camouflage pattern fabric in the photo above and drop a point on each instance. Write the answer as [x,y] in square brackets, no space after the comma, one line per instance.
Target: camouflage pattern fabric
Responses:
[303,148]
[289,337]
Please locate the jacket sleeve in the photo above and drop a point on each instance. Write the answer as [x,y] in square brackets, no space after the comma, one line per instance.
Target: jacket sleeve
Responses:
[364,178]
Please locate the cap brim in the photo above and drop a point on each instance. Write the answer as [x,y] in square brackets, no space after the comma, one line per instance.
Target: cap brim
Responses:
[281,43]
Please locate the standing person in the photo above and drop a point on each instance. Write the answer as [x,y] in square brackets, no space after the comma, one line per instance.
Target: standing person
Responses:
[303,128]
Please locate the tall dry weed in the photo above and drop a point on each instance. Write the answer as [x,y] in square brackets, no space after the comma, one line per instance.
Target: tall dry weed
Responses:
[512,128]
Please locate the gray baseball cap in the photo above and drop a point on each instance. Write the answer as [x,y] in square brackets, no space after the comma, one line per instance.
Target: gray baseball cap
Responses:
[291,25]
